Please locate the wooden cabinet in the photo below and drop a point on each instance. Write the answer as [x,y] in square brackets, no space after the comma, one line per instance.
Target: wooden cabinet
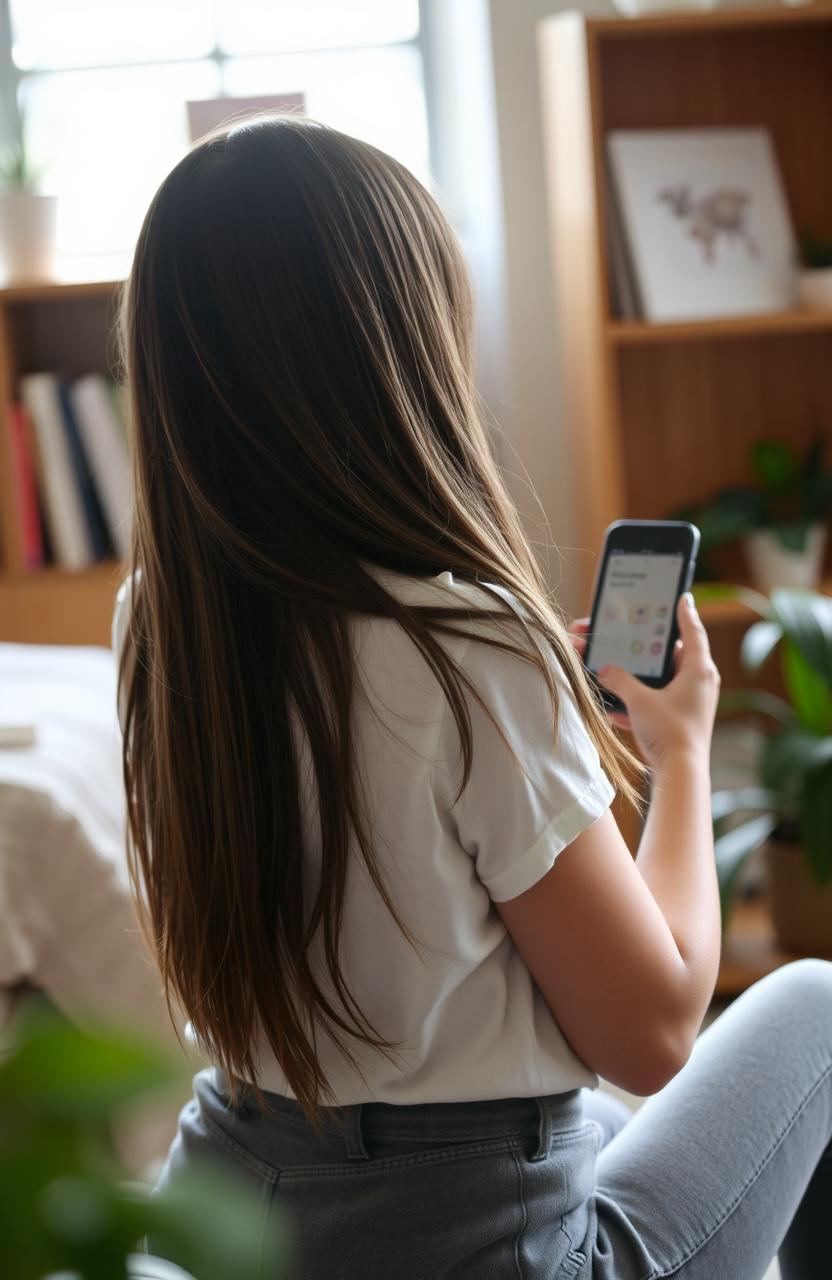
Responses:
[69,328]
[664,414]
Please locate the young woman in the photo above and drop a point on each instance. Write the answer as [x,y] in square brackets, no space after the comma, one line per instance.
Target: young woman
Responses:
[369,785]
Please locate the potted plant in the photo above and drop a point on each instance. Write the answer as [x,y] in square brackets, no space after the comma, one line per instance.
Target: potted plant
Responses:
[780,520]
[814,281]
[27,219]
[789,812]
[65,1209]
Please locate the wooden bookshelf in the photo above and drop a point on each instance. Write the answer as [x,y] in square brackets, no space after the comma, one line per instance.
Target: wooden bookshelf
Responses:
[749,950]
[663,415]
[66,325]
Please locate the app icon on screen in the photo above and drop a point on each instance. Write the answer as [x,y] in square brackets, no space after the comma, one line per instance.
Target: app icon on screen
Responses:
[636,646]
[656,646]
[640,613]
[662,611]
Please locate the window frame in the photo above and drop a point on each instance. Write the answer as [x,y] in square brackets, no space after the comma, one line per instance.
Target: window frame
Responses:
[11,76]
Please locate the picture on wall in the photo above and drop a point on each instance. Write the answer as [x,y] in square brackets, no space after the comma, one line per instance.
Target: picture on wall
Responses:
[207,114]
[705,219]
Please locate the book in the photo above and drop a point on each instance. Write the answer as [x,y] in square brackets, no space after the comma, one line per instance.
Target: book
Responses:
[705,220]
[68,530]
[624,297]
[102,437]
[96,524]
[11,522]
[25,495]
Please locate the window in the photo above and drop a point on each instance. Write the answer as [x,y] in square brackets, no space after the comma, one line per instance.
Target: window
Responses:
[102,87]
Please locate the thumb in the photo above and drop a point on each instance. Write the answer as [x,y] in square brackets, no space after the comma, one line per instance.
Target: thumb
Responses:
[622,683]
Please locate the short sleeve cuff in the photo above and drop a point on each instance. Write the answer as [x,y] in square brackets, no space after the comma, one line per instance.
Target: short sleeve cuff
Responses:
[556,837]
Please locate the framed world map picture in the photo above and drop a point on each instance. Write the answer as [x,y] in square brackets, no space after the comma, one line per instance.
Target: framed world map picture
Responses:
[705,221]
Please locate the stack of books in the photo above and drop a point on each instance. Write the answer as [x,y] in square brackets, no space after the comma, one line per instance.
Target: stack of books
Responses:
[65,484]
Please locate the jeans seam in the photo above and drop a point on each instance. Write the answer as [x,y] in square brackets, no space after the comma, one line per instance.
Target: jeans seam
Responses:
[559,1137]
[382,1164]
[264,1227]
[525,1222]
[656,1275]
[239,1153]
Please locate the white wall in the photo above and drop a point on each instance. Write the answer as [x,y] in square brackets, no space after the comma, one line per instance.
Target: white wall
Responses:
[488,147]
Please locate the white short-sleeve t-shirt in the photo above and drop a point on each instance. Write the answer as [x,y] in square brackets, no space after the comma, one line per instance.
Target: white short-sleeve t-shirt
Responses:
[461,1006]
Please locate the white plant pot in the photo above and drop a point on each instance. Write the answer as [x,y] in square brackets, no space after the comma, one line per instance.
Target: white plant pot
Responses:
[772,565]
[814,288]
[27,235]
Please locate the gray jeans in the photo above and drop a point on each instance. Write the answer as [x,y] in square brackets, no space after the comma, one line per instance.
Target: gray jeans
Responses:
[730,1163]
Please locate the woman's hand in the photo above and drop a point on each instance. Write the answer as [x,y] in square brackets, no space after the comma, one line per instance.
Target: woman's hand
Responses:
[679,717]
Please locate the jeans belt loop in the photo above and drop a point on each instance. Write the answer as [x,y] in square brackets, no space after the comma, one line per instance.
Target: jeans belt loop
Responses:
[354,1136]
[544,1130]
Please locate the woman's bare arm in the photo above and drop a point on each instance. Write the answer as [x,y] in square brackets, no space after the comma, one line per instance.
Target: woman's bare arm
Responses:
[626,952]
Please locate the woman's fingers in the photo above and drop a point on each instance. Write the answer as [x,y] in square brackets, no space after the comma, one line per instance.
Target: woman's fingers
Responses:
[694,637]
[677,656]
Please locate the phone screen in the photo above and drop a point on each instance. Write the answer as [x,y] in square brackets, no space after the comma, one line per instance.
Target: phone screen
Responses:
[635,612]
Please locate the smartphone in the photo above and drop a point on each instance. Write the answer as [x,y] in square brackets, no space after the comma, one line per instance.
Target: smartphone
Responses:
[645,567]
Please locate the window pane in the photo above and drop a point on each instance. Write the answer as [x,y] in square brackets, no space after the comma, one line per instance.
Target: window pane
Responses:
[55,33]
[377,95]
[107,138]
[258,26]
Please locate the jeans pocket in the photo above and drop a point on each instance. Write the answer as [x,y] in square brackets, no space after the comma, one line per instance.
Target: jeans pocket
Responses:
[557,1197]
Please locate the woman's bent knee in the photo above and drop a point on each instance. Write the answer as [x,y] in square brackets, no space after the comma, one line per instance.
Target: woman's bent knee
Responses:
[808,980]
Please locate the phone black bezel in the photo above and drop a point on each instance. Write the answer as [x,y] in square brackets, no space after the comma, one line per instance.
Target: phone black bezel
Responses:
[659,537]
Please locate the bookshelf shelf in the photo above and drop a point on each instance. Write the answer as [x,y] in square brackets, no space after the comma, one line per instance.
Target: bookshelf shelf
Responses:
[625,333]
[48,291]
[55,606]
[724,20]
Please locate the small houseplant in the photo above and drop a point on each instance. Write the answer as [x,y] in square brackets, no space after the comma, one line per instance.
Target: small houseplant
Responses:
[789,812]
[65,1209]
[27,219]
[780,519]
[814,282]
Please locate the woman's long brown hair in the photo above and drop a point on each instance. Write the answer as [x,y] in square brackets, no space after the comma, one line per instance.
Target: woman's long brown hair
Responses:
[296,333]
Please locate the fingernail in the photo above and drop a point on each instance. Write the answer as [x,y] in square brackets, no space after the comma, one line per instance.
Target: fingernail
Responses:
[689,600]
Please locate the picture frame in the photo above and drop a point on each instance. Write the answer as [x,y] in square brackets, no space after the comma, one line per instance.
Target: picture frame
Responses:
[705,220]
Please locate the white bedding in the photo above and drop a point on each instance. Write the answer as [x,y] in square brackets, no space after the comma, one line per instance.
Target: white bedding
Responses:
[67,924]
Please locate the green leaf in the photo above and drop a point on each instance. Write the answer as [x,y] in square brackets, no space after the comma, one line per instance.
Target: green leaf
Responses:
[741,799]
[767,704]
[58,1069]
[809,693]
[777,466]
[728,516]
[731,851]
[787,758]
[806,619]
[236,1238]
[758,643]
[816,823]
[793,535]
